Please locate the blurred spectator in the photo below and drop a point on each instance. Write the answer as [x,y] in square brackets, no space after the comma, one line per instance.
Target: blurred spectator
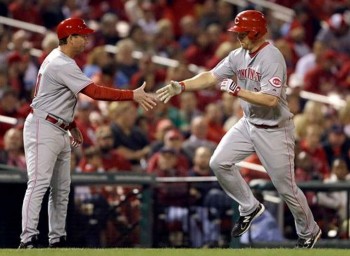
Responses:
[202,50]
[189,31]
[22,71]
[149,72]
[173,139]
[49,43]
[106,76]
[107,32]
[310,60]
[13,152]
[96,59]
[322,78]
[148,21]
[164,43]
[343,77]
[209,204]
[312,114]
[336,34]
[311,144]
[170,198]
[214,117]
[4,48]
[129,140]
[82,119]
[188,110]
[161,127]
[337,145]
[11,106]
[126,63]
[198,137]
[25,11]
[138,36]
[296,40]
[102,157]
[335,201]
[303,18]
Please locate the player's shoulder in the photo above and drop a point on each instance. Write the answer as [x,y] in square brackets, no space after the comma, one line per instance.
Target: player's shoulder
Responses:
[272,51]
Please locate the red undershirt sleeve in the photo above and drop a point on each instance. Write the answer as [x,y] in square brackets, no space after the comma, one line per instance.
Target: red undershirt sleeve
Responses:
[105,93]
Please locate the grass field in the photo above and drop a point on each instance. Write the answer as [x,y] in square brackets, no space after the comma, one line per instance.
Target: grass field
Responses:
[175,252]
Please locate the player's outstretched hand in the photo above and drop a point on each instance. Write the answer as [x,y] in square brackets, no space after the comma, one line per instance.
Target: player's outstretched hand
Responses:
[230,86]
[77,137]
[146,100]
[164,94]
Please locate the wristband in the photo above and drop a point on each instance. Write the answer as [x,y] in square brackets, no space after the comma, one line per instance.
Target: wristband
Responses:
[235,93]
[182,84]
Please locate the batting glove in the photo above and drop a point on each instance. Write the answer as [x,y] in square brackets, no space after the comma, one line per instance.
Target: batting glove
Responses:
[174,88]
[230,86]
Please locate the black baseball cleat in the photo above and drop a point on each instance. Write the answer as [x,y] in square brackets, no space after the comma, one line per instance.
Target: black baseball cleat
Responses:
[60,244]
[308,243]
[31,244]
[244,222]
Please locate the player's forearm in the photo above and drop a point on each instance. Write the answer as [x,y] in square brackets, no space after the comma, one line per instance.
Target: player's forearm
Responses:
[105,93]
[200,81]
[258,98]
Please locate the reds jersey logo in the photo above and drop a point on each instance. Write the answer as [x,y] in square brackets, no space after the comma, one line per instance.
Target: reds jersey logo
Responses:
[276,81]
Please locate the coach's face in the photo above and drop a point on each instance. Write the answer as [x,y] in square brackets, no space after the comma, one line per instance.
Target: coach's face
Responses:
[78,42]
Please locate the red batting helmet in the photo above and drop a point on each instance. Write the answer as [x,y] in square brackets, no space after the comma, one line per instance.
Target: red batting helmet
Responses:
[71,26]
[250,21]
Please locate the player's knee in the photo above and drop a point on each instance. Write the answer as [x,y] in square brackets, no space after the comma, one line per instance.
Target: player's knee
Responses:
[218,164]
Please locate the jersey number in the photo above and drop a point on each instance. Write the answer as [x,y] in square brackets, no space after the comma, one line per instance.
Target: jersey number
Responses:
[37,84]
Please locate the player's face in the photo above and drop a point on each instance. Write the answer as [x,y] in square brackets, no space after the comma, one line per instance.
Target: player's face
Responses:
[244,40]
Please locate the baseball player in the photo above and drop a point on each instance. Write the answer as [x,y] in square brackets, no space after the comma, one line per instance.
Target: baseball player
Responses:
[266,127]
[46,138]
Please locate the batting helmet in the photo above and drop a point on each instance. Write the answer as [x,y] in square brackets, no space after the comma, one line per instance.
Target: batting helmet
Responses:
[250,21]
[71,26]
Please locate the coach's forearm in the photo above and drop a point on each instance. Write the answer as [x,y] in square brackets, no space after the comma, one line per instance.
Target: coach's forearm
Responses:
[105,93]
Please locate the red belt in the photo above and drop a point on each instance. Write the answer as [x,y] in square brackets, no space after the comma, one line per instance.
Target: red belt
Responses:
[55,121]
[264,126]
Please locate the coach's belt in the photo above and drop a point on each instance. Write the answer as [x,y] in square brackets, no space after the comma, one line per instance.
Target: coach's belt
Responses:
[264,126]
[56,121]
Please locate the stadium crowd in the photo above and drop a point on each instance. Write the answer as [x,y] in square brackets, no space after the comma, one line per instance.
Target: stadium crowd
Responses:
[177,139]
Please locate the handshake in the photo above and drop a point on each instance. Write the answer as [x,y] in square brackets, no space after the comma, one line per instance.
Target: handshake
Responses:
[174,88]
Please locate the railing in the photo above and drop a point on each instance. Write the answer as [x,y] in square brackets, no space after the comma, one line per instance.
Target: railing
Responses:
[11,175]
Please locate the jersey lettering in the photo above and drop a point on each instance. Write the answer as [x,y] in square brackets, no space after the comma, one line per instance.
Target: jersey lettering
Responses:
[249,73]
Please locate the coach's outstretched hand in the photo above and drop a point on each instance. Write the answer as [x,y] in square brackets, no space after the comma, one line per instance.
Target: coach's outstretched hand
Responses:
[146,100]
[164,94]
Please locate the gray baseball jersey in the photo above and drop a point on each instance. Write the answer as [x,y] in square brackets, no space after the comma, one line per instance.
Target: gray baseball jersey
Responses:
[268,131]
[59,81]
[47,146]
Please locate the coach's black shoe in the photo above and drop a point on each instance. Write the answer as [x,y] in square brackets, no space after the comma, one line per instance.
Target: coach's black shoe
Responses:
[244,222]
[32,243]
[60,244]
[308,243]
